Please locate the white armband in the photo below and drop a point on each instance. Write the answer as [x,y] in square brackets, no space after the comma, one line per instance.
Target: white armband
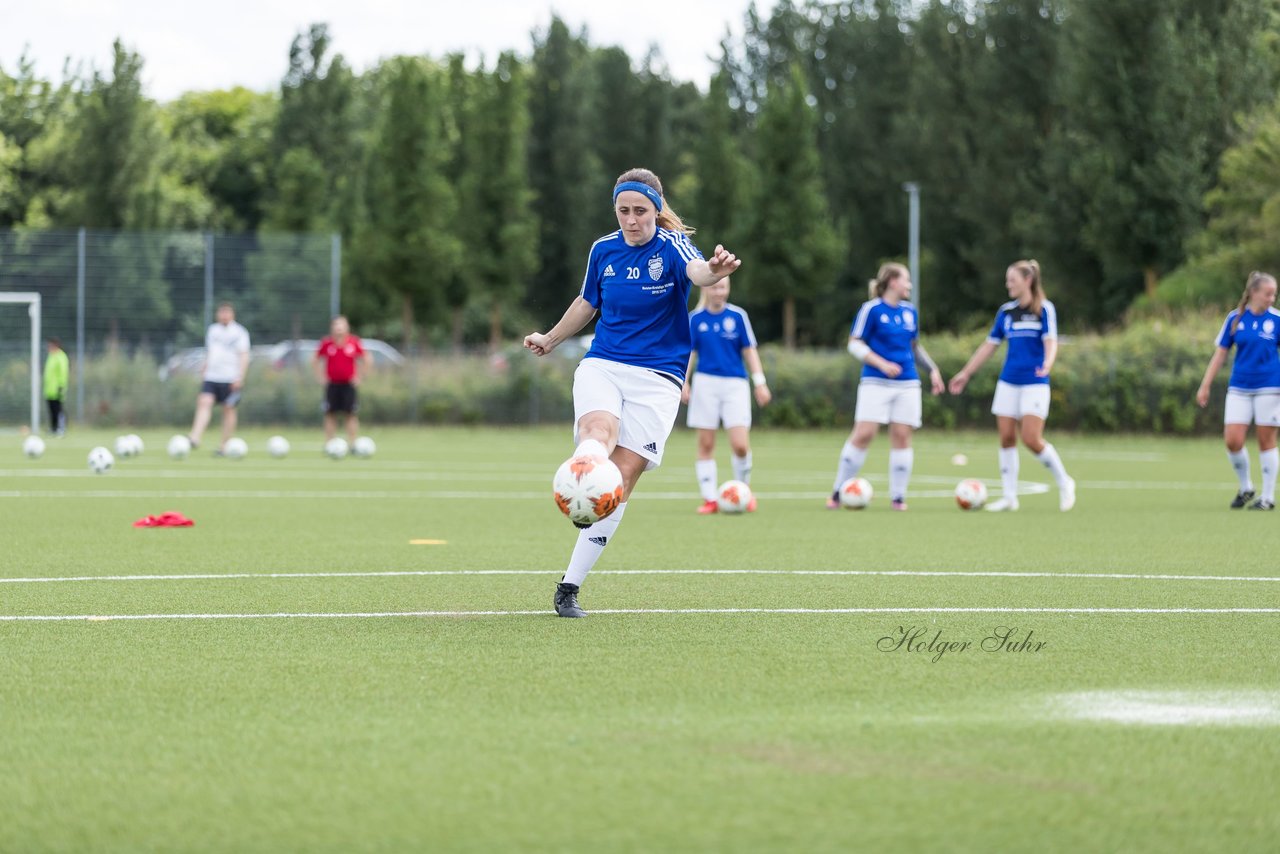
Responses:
[757,379]
[859,349]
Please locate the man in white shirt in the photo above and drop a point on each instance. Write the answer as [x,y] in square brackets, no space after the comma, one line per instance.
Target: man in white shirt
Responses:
[226,361]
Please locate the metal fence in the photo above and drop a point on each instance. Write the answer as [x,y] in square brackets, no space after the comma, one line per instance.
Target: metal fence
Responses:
[152,294]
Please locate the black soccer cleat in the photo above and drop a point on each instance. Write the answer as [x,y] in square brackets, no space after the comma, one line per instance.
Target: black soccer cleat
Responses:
[566,601]
[1262,504]
[1241,499]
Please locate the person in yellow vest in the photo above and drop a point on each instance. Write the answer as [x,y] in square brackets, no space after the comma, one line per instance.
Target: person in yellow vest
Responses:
[57,372]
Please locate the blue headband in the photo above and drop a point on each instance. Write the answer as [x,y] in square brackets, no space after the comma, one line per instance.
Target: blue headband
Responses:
[638,187]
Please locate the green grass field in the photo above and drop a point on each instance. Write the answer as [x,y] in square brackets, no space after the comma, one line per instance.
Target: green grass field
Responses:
[695,716]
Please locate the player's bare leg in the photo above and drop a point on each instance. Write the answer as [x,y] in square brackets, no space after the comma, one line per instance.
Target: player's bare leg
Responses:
[1033,437]
[204,411]
[330,426]
[353,429]
[1270,459]
[230,417]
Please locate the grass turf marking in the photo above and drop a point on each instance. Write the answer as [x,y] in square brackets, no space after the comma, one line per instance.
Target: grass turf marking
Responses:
[54,618]
[427,573]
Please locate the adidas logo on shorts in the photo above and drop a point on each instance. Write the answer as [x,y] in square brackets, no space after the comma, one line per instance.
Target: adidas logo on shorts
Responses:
[599,541]
[652,447]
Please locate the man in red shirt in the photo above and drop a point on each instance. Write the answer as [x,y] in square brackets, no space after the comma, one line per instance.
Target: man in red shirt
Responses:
[340,373]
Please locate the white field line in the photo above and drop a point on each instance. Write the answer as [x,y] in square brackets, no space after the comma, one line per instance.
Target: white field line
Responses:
[429,573]
[52,618]
[453,494]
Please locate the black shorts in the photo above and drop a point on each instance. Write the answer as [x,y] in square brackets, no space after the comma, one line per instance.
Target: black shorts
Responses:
[340,397]
[222,393]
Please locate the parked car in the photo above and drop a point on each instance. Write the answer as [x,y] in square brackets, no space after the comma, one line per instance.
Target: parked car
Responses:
[299,352]
[188,362]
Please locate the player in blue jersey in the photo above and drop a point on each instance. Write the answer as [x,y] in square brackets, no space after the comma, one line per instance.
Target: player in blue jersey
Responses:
[1253,392]
[722,341]
[626,390]
[1029,322]
[886,338]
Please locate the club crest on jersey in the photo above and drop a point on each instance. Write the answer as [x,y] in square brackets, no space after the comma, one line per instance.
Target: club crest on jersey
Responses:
[909,320]
[730,324]
[655,267]
[1268,327]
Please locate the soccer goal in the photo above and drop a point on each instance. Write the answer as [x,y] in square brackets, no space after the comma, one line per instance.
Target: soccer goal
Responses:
[32,301]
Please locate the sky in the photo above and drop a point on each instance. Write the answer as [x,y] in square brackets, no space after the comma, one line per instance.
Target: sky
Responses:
[216,45]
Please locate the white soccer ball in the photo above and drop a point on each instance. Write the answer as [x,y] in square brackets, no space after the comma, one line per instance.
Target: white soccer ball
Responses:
[100,460]
[587,488]
[364,448]
[971,494]
[179,447]
[959,460]
[336,448]
[733,496]
[856,493]
[235,449]
[33,446]
[124,447]
[136,442]
[278,447]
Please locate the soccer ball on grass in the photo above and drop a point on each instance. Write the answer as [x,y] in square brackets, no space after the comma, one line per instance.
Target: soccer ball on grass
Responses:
[856,493]
[971,494]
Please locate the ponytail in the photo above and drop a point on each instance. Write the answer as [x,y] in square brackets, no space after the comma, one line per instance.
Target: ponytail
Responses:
[887,273]
[1255,280]
[1031,270]
[667,218]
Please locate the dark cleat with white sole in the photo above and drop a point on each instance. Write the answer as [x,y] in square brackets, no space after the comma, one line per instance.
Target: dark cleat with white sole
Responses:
[566,601]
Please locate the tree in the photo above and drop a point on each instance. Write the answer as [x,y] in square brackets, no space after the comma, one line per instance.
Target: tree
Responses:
[406,241]
[571,191]
[794,246]
[720,203]
[496,218]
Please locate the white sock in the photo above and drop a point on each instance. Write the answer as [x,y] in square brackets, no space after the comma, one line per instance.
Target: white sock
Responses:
[1240,462]
[1009,472]
[851,460]
[900,463]
[742,468]
[591,542]
[591,447]
[1270,463]
[1049,456]
[706,471]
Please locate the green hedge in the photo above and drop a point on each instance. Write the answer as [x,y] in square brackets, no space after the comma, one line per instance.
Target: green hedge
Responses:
[1141,379]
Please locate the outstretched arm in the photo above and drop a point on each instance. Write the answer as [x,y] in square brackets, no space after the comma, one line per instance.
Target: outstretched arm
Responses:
[706,273]
[961,379]
[576,316]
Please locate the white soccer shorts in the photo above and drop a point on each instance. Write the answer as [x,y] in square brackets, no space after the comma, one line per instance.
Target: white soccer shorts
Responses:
[645,403]
[1261,408]
[889,403]
[715,400]
[1015,401]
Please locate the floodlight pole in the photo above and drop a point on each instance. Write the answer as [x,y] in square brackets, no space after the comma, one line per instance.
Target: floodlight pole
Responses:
[913,238]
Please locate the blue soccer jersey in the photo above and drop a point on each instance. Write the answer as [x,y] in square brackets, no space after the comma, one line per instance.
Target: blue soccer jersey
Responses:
[719,340]
[642,293]
[1026,333]
[1257,365]
[888,330]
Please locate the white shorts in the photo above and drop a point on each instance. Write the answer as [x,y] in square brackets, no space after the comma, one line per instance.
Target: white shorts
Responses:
[884,403]
[1015,401]
[713,400]
[645,403]
[1262,409]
